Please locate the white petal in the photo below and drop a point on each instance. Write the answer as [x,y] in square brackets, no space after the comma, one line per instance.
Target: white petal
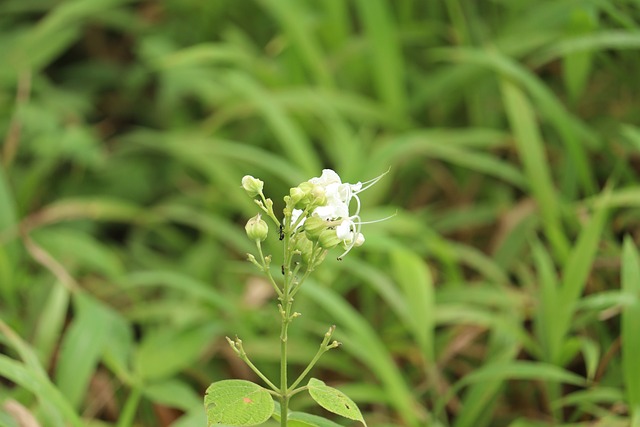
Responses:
[295,214]
[328,177]
[343,231]
[325,212]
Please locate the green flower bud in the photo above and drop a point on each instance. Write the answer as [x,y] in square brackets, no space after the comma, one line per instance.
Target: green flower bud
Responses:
[313,226]
[296,195]
[253,186]
[306,187]
[257,229]
[304,246]
[318,196]
[328,239]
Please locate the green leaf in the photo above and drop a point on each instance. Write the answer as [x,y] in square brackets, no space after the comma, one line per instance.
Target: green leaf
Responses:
[415,280]
[157,357]
[385,54]
[522,370]
[237,403]
[37,383]
[82,347]
[531,149]
[574,278]
[8,251]
[334,400]
[368,347]
[173,393]
[630,319]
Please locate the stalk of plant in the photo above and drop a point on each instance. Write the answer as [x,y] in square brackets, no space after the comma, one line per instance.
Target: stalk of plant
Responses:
[316,218]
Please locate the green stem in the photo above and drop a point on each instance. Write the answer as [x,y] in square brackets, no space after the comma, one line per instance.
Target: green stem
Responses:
[284,388]
[130,407]
[324,347]
[269,211]
[285,308]
[316,252]
[267,270]
[237,346]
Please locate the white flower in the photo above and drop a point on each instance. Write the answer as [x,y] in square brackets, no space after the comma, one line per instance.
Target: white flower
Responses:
[336,209]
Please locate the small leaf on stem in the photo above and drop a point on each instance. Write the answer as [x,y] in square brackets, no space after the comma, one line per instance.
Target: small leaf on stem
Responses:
[333,400]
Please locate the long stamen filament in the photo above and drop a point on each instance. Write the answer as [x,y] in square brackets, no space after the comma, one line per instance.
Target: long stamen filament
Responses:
[371,182]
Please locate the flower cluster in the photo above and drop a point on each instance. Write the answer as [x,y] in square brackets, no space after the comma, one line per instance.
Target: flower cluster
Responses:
[333,216]
[317,212]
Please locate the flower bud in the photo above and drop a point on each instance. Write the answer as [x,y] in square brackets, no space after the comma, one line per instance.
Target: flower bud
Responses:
[296,194]
[257,229]
[253,186]
[328,239]
[318,196]
[304,247]
[313,226]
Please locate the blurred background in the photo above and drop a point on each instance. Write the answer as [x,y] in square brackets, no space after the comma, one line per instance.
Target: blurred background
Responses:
[503,293]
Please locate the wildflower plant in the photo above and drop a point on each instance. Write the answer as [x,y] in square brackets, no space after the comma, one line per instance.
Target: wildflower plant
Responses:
[319,215]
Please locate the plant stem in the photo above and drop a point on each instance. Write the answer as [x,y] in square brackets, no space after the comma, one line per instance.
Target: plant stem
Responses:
[284,389]
[239,349]
[285,309]
[323,349]
[266,269]
[129,411]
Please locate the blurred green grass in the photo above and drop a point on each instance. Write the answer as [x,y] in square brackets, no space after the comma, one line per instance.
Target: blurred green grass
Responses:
[503,293]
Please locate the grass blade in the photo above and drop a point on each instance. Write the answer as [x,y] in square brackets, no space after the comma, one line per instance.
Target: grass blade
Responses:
[571,130]
[415,280]
[630,322]
[8,252]
[387,63]
[531,150]
[366,345]
[294,22]
[32,376]
[289,135]
[82,347]
[574,277]
[51,321]
[547,306]
[603,40]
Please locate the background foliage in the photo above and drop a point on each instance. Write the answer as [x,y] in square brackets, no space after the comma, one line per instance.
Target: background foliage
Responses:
[500,295]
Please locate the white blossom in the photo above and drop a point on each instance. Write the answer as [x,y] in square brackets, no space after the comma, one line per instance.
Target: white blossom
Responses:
[336,210]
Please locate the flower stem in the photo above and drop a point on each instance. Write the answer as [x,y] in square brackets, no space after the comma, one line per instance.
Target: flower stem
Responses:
[324,347]
[238,348]
[285,312]
[284,388]
[266,269]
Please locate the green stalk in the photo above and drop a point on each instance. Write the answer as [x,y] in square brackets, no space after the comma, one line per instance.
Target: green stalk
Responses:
[324,347]
[266,269]
[284,396]
[130,407]
[284,389]
[285,308]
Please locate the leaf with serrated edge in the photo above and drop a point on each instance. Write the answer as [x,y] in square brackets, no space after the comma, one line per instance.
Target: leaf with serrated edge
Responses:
[334,400]
[237,403]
